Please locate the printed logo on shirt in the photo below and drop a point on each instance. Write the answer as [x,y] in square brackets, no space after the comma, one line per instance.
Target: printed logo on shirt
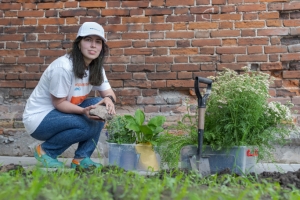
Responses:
[77,89]
[78,100]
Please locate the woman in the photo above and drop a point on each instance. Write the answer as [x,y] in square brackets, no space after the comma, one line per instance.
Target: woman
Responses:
[57,111]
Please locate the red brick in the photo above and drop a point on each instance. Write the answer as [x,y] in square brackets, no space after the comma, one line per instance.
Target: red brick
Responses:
[56,53]
[229,42]
[180,34]
[204,74]
[30,60]
[11,76]
[123,76]
[152,109]
[31,84]
[290,57]
[275,49]
[163,68]
[268,15]
[203,25]
[251,8]
[203,58]
[207,50]
[159,59]
[227,8]
[118,59]
[178,11]
[206,42]
[15,37]
[235,17]
[255,49]
[179,3]
[12,84]
[137,51]
[158,19]
[30,76]
[291,6]
[92,4]
[274,23]
[9,60]
[118,68]
[31,13]
[185,67]
[162,75]
[184,51]
[135,36]
[250,16]
[160,51]
[139,76]
[141,68]
[253,41]
[227,58]
[135,12]
[271,66]
[159,84]
[139,44]
[158,11]
[252,58]
[226,25]
[10,6]
[12,52]
[160,43]
[185,75]
[204,10]
[137,19]
[291,23]
[180,18]
[233,66]
[157,3]
[270,32]
[137,83]
[141,4]
[208,67]
[119,44]
[157,27]
[250,24]
[116,83]
[225,33]
[180,83]
[231,50]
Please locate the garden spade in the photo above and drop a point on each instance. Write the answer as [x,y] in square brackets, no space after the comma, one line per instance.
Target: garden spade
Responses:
[190,153]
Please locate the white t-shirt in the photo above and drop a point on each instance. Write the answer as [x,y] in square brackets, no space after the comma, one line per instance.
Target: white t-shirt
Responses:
[59,80]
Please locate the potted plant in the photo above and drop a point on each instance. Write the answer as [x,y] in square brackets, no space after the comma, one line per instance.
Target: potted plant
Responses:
[237,114]
[119,140]
[146,136]
[131,141]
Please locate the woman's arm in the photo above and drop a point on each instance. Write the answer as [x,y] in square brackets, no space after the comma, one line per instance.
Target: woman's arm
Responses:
[65,106]
[110,106]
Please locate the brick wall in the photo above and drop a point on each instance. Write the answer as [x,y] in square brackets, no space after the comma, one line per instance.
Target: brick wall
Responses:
[157,47]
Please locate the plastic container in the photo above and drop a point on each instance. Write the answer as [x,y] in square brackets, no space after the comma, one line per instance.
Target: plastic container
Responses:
[133,157]
[239,159]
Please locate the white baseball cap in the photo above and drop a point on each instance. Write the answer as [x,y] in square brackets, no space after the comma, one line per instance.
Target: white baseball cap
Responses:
[91,28]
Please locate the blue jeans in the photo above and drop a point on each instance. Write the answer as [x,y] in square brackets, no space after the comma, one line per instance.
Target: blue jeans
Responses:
[61,130]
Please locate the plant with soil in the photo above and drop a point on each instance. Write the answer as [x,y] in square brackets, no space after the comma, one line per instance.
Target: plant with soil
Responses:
[117,131]
[145,133]
[237,114]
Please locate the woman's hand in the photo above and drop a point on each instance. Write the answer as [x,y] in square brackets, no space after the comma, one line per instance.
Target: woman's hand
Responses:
[110,106]
[86,112]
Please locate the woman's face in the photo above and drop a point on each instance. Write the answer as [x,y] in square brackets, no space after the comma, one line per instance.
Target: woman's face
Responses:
[90,46]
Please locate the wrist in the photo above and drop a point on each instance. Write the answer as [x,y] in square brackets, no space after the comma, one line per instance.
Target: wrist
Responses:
[111,98]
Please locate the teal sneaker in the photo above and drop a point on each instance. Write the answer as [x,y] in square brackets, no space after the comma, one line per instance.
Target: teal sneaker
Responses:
[85,163]
[46,160]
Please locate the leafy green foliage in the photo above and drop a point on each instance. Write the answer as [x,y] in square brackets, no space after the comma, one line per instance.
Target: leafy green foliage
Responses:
[145,133]
[117,131]
[170,144]
[238,113]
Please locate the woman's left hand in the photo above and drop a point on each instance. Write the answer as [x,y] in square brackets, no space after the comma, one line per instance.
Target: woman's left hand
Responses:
[110,106]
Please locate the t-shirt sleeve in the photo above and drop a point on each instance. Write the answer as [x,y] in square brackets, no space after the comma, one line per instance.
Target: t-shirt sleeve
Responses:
[60,82]
[104,86]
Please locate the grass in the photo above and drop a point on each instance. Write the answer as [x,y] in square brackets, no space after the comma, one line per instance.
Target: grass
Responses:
[115,183]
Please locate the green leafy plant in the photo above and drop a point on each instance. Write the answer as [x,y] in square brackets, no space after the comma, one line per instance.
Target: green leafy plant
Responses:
[117,131]
[145,133]
[238,113]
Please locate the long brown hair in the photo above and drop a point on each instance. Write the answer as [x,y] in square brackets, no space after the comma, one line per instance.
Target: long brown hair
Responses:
[95,67]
